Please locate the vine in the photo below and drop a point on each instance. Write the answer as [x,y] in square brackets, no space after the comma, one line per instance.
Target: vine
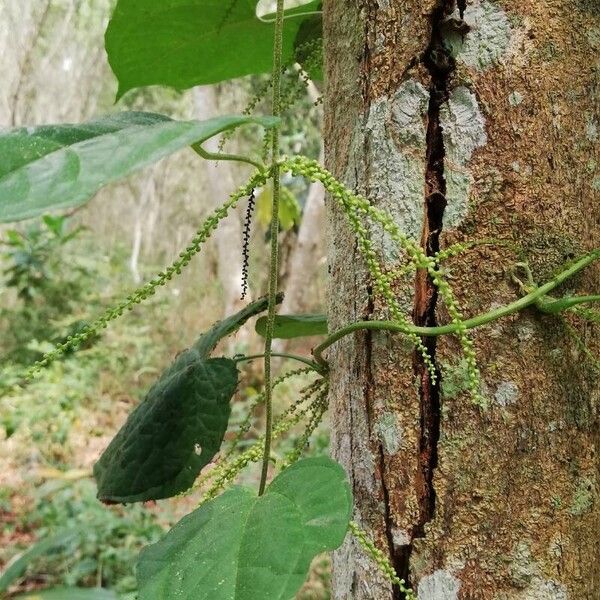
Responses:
[274,259]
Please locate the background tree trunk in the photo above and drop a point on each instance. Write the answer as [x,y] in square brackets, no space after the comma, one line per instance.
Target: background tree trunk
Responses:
[221,178]
[469,122]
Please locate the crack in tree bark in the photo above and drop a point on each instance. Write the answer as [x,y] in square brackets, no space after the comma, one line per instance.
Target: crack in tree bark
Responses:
[440,66]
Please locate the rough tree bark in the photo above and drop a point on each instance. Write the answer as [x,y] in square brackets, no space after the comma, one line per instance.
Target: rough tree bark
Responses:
[469,122]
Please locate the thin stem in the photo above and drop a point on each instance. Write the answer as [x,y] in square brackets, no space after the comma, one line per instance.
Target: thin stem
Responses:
[552,307]
[274,262]
[303,359]
[300,14]
[533,297]
[198,149]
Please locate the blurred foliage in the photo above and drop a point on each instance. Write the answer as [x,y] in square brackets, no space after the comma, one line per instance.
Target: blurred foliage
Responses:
[109,540]
[54,280]
[48,294]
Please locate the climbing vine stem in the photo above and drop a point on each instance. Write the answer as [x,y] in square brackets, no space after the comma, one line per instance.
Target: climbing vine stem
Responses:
[274,262]
[303,359]
[533,298]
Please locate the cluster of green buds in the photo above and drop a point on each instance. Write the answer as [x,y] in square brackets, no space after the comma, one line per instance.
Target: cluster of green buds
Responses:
[259,399]
[357,208]
[227,470]
[73,342]
[318,408]
[380,559]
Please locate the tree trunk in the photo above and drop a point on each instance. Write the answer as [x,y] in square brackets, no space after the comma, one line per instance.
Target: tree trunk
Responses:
[475,122]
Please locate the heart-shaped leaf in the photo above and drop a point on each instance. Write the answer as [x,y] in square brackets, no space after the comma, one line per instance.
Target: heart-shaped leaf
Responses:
[294,326]
[243,547]
[184,43]
[61,166]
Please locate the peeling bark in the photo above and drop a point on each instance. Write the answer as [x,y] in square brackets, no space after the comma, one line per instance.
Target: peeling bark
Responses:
[470,504]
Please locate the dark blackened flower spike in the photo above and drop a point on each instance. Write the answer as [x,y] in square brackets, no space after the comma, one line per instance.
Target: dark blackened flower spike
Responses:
[246,242]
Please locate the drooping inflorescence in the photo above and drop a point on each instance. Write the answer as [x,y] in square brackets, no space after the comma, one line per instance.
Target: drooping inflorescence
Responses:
[380,559]
[246,242]
[356,207]
[73,342]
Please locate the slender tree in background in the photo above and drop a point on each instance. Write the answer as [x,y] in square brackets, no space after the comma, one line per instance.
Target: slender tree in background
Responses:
[469,122]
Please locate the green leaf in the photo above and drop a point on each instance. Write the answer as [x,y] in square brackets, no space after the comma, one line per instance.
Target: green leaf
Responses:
[207,341]
[179,427]
[61,166]
[243,547]
[69,593]
[294,326]
[290,213]
[184,43]
[19,564]
[176,431]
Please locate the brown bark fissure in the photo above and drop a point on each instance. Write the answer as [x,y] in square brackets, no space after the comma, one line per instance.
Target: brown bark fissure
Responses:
[440,65]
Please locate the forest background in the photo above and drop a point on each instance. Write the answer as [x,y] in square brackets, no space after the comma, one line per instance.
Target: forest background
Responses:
[57,273]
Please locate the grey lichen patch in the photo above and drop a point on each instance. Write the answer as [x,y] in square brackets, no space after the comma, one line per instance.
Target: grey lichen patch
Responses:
[596,184]
[400,537]
[440,585]
[397,171]
[583,498]
[463,125]
[591,129]
[523,568]
[488,38]
[507,393]
[525,330]
[515,98]
[545,589]
[389,433]
[409,106]
[458,190]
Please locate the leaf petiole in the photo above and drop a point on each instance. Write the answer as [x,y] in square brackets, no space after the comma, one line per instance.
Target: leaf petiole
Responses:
[303,359]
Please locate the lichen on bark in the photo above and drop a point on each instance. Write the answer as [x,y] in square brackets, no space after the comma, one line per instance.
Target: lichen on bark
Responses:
[525,471]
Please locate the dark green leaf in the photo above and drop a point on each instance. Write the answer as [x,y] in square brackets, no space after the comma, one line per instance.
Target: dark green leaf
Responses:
[60,166]
[243,547]
[185,43]
[179,427]
[172,434]
[72,593]
[207,341]
[293,326]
